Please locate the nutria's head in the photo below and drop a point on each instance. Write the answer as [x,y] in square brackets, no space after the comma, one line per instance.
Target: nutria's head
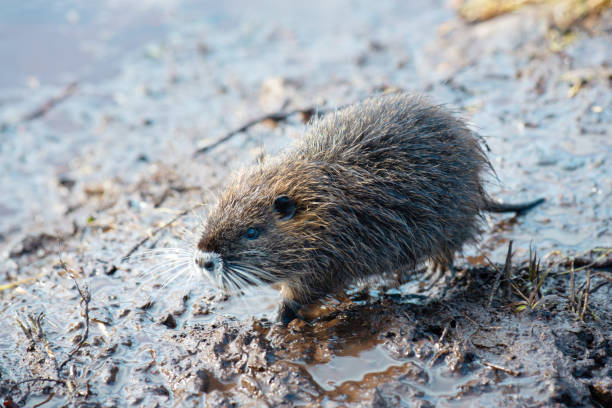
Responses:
[262,230]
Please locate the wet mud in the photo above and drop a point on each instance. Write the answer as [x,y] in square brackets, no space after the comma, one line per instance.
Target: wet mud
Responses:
[105,174]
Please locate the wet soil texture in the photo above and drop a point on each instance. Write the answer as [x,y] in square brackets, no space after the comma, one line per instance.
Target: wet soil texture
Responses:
[102,111]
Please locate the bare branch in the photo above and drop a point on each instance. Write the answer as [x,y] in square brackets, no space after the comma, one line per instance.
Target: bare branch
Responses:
[275,117]
[51,103]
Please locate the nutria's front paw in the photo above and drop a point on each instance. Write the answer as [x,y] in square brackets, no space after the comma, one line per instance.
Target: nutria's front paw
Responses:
[289,310]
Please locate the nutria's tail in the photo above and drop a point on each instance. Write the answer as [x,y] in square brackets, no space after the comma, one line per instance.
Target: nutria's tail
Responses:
[492,206]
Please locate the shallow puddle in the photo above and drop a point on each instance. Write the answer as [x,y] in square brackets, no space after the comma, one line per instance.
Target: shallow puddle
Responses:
[343,368]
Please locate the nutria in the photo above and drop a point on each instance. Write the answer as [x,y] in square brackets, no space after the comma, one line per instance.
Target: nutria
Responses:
[377,186]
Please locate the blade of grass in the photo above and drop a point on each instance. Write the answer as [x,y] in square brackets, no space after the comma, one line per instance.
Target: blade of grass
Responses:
[586,295]
[505,272]
[21,282]
[572,298]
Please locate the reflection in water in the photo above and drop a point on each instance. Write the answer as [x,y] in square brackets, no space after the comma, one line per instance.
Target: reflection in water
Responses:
[344,368]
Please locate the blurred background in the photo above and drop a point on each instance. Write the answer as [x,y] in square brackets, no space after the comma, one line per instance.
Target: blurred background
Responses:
[92,91]
[56,42]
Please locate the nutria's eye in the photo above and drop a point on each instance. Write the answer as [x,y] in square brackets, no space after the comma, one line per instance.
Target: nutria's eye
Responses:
[285,207]
[252,233]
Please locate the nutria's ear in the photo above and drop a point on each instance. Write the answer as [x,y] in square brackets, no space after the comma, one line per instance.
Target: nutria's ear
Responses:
[285,207]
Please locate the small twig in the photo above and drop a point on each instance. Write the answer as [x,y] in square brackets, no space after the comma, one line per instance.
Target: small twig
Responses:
[34,331]
[40,404]
[51,103]
[518,291]
[600,274]
[21,282]
[85,299]
[275,116]
[148,237]
[158,229]
[440,353]
[37,379]
[470,319]
[590,265]
[500,368]
[42,337]
[443,334]
[599,285]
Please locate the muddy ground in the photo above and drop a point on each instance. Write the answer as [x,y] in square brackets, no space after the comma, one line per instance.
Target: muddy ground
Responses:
[98,164]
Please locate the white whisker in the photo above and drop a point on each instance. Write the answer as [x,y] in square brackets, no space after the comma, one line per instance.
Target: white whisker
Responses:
[248,278]
[241,280]
[160,270]
[165,249]
[157,253]
[178,270]
[253,271]
[162,265]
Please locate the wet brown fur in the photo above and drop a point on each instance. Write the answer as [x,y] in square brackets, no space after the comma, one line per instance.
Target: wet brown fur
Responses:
[385,184]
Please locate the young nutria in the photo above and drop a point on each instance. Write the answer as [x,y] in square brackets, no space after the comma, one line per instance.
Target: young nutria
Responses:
[381,185]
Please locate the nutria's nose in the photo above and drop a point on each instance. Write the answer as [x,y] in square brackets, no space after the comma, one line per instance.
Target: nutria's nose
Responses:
[208,262]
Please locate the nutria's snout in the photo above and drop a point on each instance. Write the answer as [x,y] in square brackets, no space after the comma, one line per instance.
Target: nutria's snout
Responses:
[209,263]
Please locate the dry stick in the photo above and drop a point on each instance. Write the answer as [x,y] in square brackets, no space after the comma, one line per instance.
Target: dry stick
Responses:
[600,274]
[36,334]
[21,282]
[144,240]
[275,116]
[51,103]
[518,291]
[599,285]
[37,327]
[500,368]
[471,320]
[443,334]
[85,299]
[37,379]
[592,264]
[42,337]
[40,404]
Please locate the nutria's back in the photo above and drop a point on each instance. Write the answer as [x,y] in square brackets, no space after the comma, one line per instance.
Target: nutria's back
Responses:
[403,162]
[381,185]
